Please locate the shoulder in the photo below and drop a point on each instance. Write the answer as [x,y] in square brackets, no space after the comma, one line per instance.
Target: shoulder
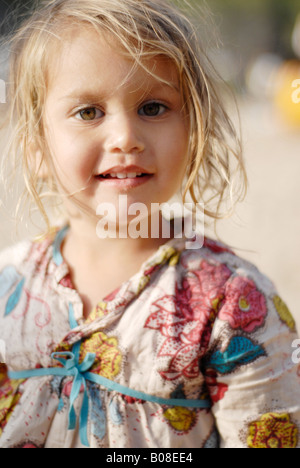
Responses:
[15,254]
[222,262]
[24,256]
[234,288]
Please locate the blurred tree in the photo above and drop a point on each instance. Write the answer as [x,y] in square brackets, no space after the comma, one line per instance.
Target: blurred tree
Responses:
[283,16]
[250,23]
[271,21]
[247,28]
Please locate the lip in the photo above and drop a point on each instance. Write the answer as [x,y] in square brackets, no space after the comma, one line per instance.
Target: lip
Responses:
[125,170]
[125,183]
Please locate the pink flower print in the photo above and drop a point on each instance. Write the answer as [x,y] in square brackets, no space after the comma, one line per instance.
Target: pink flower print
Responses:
[132,400]
[186,319]
[174,319]
[208,284]
[66,282]
[244,306]
[215,246]
[184,359]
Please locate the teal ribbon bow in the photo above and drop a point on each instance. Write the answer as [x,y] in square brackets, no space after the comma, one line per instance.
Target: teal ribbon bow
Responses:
[70,361]
[71,367]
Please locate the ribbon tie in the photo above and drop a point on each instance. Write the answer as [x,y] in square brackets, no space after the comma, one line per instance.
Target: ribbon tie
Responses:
[73,368]
[80,374]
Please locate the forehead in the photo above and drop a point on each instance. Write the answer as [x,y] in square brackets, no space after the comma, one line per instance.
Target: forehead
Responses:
[87,58]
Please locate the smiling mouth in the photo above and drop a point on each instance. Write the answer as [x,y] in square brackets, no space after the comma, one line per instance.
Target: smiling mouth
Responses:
[121,176]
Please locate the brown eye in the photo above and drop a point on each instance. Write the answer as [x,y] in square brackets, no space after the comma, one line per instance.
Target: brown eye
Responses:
[152,109]
[90,114]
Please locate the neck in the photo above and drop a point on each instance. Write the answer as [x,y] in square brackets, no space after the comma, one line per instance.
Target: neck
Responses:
[83,240]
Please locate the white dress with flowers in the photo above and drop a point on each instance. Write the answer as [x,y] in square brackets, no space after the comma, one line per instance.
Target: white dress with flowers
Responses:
[195,350]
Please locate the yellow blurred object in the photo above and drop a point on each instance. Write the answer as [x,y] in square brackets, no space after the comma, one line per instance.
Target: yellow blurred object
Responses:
[287,92]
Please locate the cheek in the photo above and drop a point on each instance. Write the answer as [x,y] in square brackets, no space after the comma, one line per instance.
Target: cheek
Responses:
[176,155]
[73,155]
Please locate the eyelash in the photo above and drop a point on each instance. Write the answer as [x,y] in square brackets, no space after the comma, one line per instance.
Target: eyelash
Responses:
[154,103]
[162,109]
[79,113]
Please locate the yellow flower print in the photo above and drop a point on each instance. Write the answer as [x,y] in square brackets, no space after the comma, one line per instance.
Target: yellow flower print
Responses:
[244,304]
[99,311]
[215,304]
[174,258]
[181,419]
[273,430]
[9,398]
[108,356]
[284,312]
[143,282]
[168,254]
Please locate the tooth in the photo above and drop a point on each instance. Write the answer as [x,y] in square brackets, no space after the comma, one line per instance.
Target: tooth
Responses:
[131,175]
[113,174]
[121,176]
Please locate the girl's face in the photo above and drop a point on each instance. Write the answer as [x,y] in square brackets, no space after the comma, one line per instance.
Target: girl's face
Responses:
[103,117]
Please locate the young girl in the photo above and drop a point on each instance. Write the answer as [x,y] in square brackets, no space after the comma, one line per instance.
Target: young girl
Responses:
[127,341]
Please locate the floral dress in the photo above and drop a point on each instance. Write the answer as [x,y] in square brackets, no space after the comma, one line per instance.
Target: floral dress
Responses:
[195,350]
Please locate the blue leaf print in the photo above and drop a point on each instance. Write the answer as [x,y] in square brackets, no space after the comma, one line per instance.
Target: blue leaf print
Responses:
[56,385]
[97,413]
[8,277]
[114,413]
[240,351]
[14,299]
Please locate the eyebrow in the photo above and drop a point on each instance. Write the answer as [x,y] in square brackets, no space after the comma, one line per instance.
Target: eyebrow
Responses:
[90,97]
[78,95]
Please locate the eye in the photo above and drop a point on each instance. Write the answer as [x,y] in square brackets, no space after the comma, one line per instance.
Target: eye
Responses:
[89,114]
[152,109]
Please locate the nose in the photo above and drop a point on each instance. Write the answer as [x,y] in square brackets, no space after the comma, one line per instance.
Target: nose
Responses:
[124,134]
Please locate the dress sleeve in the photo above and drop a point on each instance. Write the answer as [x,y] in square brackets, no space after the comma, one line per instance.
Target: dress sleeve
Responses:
[252,368]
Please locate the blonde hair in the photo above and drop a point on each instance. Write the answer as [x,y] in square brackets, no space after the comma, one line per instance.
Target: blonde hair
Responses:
[144,28]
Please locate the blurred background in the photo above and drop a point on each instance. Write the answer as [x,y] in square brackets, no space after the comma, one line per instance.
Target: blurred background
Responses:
[259,56]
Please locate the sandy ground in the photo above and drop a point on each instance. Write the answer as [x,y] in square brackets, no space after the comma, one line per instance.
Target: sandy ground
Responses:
[266,227]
